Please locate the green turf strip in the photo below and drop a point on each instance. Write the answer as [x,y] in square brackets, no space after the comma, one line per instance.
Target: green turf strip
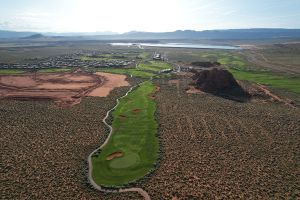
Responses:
[11,71]
[154,66]
[132,71]
[134,135]
[291,84]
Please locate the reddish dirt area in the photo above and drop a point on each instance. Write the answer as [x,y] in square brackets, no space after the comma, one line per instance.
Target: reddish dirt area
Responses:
[213,148]
[116,154]
[113,81]
[157,88]
[193,90]
[152,96]
[274,97]
[66,89]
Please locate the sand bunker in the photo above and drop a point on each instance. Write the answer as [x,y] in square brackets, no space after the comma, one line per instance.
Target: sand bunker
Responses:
[152,97]
[116,154]
[112,81]
[137,110]
[122,117]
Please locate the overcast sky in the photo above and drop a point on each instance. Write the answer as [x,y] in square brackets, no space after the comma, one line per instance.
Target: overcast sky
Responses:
[146,15]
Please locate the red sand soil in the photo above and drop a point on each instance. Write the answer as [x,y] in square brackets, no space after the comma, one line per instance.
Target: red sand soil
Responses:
[193,90]
[66,89]
[152,96]
[157,88]
[112,81]
[116,154]
[273,96]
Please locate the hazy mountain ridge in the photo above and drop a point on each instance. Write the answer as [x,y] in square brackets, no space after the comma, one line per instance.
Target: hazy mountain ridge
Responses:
[218,34]
[15,34]
[186,34]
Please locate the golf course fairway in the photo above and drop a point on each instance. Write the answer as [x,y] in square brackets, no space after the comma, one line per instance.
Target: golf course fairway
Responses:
[132,149]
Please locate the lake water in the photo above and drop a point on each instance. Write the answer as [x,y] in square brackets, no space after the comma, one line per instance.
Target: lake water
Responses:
[178,45]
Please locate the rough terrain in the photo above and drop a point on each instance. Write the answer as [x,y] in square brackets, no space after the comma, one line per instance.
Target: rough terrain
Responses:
[215,148]
[44,148]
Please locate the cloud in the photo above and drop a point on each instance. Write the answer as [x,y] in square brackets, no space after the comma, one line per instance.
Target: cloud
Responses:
[146,15]
[28,21]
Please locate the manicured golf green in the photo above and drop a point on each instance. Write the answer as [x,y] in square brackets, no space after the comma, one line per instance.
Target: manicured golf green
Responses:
[154,66]
[134,134]
[291,84]
[133,71]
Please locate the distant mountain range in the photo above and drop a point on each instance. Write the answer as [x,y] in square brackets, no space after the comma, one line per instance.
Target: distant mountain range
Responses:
[186,34]
[23,35]
[34,36]
[218,34]
[14,34]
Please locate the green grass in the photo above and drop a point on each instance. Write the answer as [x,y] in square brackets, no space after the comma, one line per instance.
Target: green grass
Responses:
[132,71]
[154,66]
[243,70]
[168,75]
[230,59]
[53,70]
[291,84]
[135,135]
[144,70]
[144,55]
[11,71]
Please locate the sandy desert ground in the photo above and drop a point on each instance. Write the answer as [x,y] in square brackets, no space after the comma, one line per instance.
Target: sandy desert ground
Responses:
[66,89]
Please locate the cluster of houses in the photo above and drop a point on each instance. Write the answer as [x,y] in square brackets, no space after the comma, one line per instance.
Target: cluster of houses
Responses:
[73,60]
